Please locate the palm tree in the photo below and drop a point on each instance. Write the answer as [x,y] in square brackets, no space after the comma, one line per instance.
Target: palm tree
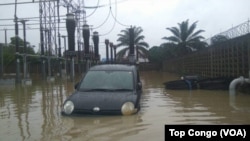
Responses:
[186,38]
[124,39]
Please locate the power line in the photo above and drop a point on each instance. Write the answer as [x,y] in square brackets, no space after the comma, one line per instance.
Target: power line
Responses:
[115,17]
[32,28]
[26,18]
[109,30]
[104,20]
[97,6]
[14,24]
[94,10]
[4,4]
[104,5]
[112,26]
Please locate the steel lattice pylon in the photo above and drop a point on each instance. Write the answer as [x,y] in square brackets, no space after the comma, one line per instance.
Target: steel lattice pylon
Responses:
[49,14]
[48,32]
[49,17]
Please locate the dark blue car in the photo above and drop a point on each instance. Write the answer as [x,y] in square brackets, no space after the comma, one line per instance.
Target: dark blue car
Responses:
[106,89]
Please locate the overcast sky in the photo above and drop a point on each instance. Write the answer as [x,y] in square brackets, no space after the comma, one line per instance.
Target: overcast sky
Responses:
[154,16]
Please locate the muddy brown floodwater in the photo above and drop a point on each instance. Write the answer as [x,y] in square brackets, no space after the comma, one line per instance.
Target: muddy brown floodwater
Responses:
[32,113]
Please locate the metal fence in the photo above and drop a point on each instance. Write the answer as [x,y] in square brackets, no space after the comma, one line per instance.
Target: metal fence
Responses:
[239,30]
[229,59]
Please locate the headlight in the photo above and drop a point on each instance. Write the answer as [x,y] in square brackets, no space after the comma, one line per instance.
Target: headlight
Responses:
[68,107]
[128,108]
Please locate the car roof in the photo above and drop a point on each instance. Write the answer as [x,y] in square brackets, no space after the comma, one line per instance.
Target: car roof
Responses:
[118,67]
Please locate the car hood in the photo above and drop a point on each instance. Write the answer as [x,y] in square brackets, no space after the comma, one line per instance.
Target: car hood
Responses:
[103,100]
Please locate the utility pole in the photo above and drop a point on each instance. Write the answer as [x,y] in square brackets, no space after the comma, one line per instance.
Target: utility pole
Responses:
[5,33]
[64,38]
[111,52]
[42,40]
[2,50]
[107,50]
[1,73]
[24,50]
[17,47]
[114,53]
[59,40]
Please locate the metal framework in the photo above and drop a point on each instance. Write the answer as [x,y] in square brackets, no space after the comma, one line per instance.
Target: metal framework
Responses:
[227,59]
[50,17]
[50,37]
[80,18]
[234,32]
[48,20]
[237,31]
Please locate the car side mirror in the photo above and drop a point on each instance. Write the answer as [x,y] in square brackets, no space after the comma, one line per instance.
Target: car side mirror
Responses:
[139,86]
[76,85]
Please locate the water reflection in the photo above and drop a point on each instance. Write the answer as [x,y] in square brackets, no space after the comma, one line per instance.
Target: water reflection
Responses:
[239,102]
[198,106]
[102,127]
[33,112]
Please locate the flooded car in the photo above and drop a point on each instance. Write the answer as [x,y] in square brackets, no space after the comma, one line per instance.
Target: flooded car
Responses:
[106,89]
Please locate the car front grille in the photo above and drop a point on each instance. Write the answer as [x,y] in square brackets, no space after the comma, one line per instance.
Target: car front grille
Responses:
[101,112]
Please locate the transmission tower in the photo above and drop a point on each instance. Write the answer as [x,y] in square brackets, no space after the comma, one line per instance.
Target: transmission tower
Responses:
[80,18]
[49,14]
[48,32]
[48,19]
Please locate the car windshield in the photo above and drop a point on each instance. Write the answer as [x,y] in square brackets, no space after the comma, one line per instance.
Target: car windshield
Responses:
[107,81]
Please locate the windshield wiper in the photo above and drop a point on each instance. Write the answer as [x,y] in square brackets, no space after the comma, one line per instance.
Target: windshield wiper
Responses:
[105,90]
[97,89]
[122,89]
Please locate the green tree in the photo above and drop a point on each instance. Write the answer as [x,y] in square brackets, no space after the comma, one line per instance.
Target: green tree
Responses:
[9,51]
[155,54]
[158,54]
[29,49]
[186,38]
[9,55]
[140,45]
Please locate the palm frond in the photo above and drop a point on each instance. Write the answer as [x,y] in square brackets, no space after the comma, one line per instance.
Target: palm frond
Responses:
[185,36]
[192,28]
[197,33]
[173,39]
[121,53]
[175,31]
[143,44]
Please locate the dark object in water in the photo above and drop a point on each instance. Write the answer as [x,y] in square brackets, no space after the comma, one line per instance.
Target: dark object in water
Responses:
[181,84]
[190,77]
[219,83]
[192,82]
[244,88]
